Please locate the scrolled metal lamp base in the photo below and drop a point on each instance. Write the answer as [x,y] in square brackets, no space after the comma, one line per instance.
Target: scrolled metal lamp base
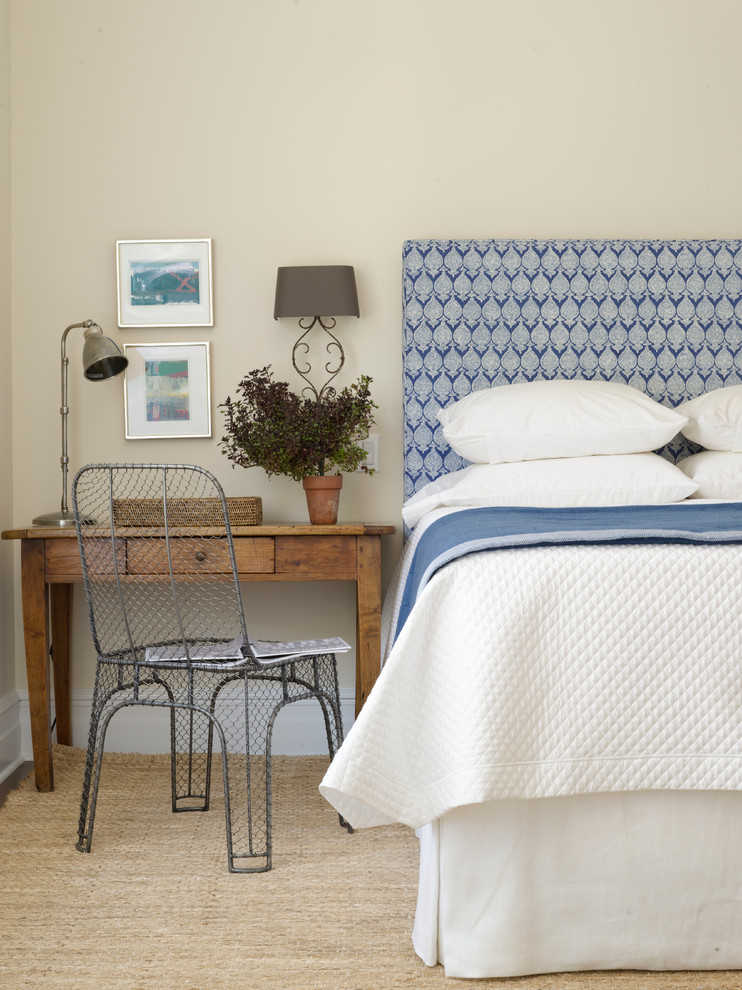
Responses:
[302,345]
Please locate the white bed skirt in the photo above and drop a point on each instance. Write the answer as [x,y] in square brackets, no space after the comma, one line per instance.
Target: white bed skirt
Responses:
[642,880]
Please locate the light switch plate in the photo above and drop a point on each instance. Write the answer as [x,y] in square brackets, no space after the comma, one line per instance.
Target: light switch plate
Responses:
[371,444]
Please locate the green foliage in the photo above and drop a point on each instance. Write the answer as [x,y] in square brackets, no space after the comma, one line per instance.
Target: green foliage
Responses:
[270,426]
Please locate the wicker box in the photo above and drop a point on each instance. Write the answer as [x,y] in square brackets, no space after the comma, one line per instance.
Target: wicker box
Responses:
[246,511]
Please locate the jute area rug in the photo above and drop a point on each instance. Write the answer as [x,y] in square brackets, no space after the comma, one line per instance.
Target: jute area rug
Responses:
[154,906]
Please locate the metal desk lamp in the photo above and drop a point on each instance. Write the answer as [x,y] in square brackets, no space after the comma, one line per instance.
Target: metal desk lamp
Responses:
[317,294]
[101,360]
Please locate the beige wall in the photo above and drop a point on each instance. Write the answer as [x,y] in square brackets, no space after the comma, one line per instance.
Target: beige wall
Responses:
[328,131]
[7,679]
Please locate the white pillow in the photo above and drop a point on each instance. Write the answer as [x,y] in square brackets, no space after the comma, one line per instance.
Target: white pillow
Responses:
[556,418]
[715,418]
[718,474]
[621,479]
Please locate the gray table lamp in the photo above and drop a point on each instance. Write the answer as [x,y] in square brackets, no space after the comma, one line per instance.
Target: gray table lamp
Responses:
[101,360]
[316,294]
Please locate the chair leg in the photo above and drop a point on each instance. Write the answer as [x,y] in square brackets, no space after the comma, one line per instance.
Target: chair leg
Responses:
[91,782]
[246,766]
[92,768]
[333,723]
[334,740]
[111,681]
[333,726]
[191,739]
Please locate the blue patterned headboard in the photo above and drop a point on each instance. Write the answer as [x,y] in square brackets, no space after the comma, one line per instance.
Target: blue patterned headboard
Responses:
[664,316]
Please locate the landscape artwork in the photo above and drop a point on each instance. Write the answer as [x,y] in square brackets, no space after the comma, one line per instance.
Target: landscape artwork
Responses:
[161,284]
[164,283]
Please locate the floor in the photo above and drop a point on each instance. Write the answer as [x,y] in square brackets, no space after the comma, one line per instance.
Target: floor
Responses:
[11,782]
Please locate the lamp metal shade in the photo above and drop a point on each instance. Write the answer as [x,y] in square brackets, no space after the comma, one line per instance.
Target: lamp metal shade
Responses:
[101,358]
[316,290]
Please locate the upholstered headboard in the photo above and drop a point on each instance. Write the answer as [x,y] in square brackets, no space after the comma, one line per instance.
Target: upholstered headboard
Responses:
[663,316]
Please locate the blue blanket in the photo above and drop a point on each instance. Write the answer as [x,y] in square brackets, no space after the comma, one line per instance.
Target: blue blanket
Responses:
[473,530]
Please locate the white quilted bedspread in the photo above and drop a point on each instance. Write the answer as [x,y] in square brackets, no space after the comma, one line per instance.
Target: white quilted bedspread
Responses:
[548,671]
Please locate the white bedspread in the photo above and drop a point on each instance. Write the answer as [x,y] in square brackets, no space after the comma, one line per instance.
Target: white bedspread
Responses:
[548,671]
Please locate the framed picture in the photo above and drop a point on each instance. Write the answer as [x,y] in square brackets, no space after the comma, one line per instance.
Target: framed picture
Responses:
[167,393]
[164,283]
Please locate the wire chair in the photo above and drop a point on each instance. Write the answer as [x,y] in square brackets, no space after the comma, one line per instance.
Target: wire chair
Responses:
[168,625]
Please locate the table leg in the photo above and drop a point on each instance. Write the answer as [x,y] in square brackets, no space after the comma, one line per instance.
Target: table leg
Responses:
[368,616]
[36,635]
[61,602]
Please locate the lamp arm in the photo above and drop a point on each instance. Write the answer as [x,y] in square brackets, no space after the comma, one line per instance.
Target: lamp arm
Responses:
[64,408]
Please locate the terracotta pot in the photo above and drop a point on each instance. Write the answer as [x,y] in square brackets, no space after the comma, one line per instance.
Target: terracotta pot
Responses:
[323,495]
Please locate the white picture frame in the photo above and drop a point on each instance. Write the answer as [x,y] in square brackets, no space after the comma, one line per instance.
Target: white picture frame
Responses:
[164,283]
[167,391]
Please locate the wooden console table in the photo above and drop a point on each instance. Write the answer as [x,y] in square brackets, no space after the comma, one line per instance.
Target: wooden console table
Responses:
[50,566]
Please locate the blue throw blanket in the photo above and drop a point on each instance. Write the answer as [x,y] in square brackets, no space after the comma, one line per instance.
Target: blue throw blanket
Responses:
[494,528]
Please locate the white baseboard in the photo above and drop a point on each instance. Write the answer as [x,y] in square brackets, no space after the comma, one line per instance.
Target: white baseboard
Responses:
[299,730]
[11,755]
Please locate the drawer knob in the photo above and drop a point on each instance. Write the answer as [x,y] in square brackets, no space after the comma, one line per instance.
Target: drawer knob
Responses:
[200,556]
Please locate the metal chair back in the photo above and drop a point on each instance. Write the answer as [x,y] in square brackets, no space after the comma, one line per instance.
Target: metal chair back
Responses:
[158,564]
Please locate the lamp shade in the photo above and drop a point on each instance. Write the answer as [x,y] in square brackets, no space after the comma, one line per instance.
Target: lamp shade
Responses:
[316,290]
[101,358]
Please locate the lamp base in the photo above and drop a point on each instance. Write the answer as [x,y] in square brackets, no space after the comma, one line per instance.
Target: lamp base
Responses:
[55,519]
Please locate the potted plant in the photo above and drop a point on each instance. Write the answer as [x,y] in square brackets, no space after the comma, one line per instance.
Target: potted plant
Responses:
[309,439]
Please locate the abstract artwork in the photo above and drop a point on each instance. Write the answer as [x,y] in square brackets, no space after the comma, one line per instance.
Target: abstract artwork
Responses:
[167,391]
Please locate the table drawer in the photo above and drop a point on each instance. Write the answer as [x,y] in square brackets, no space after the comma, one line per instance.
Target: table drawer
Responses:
[149,556]
[62,558]
[316,558]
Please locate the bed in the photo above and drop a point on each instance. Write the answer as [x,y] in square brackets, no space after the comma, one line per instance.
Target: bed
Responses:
[558,713]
